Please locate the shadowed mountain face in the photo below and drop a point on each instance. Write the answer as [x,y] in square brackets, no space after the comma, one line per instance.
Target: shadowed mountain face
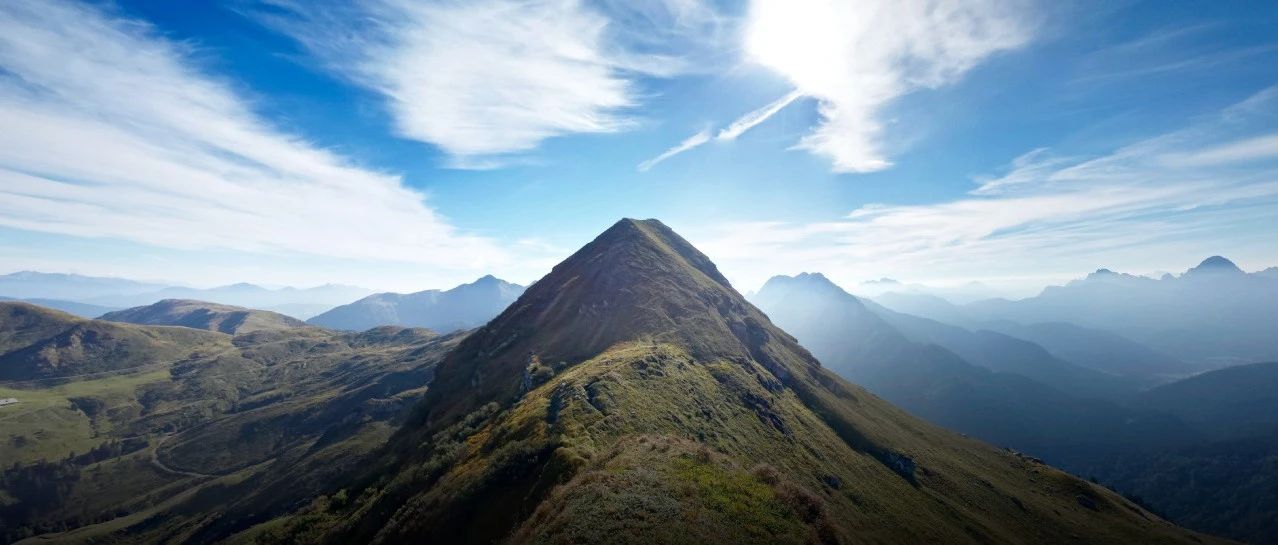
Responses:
[996,388]
[1004,353]
[1089,347]
[1240,401]
[632,395]
[1225,485]
[463,307]
[201,315]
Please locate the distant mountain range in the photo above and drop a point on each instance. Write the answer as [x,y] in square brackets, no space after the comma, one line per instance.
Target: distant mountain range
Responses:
[71,287]
[1203,450]
[69,290]
[83,310]
[1211,316]
[1005,390]
[227,319]
[463,307]
[247,295]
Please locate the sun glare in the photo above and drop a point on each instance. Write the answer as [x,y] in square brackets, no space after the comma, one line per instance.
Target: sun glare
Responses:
[798,39]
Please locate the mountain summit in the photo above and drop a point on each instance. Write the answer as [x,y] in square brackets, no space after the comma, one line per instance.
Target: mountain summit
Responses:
[637,280]
[1215,265]
[632,395]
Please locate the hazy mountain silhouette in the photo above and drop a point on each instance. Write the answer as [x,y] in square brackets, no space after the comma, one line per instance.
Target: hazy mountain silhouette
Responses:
[245,295]
[228,319]
[1213,315]
[463,307]
[1063,421]
[1004,353]
[68,287]
[67,291]
[83,310]
[1098,349]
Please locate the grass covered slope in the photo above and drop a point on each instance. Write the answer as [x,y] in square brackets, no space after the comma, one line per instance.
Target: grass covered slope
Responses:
[228,319]
[633,396]
[265,422]
[39,344]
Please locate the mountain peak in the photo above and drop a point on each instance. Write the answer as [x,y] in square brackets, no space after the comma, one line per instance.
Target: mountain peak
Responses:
[661,241]
[1215,264]
[638,280]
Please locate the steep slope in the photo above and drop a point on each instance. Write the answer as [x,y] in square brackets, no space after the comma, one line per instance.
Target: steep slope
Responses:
[463,307]
[38,343]
[202,315]
[632,395]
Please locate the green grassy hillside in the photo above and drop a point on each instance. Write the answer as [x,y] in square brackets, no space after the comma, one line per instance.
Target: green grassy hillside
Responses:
[39,344]
[88,456]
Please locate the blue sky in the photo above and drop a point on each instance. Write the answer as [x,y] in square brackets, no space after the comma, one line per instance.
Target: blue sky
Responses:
[401,145]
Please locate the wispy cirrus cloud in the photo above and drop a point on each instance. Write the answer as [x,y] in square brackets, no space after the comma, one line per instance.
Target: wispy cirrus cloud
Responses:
[112,131]
[729,133]
[855,58]
[688,143]
[1201,190]
[484,80]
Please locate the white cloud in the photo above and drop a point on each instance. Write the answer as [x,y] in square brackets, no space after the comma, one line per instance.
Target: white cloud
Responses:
[753,119]
[688,143]
[1251,149]
[729,133]
[109,131]
[856,57]
[1136,207]
[489,78]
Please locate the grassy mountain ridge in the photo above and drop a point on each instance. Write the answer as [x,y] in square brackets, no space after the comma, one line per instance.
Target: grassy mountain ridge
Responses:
[40,344]
[228,319]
